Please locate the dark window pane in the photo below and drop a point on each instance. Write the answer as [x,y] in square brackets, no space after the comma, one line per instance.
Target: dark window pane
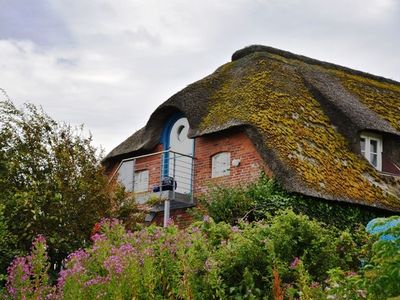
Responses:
[374,159]
[373,146]
[362,145]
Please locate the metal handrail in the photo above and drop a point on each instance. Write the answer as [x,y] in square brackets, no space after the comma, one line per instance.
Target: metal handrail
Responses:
[143,156]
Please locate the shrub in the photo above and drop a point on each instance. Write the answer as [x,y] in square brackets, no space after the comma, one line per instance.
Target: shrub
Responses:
[208,260]
[51,183]
[264,198]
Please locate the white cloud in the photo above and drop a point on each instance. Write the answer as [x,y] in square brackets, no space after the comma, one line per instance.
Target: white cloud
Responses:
[120,59]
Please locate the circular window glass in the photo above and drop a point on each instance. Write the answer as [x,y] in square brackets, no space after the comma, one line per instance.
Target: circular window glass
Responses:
[181,133]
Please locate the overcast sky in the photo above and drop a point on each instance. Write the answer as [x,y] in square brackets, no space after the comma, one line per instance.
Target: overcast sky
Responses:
[109,64]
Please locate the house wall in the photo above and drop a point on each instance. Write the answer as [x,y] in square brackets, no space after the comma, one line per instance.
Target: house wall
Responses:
[391,154]
[233,141]
[153,165]
[180,217]
[240,147]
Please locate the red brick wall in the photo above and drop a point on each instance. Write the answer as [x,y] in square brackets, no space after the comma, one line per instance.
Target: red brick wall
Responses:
[235,142]
[240,147]
[153,164]
[150,163]
[180,217]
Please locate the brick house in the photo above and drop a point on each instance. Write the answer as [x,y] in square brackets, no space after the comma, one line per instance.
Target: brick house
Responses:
[320,129]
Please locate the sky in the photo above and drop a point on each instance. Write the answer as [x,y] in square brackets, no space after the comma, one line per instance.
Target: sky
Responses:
[109,64]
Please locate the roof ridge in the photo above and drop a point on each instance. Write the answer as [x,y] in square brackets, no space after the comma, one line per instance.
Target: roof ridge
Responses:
[248,50]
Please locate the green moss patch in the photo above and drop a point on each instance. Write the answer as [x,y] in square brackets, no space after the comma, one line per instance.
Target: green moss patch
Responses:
[270,94]
[382,98]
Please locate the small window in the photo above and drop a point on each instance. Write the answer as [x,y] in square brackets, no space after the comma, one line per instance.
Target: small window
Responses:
[371,149]
[125,175]
[220,164]
[141,181]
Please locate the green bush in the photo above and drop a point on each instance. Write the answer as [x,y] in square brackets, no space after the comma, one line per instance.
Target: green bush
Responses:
[51,183]
[266,197]
[209,260]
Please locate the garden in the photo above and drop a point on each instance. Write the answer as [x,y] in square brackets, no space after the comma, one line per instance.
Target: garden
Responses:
[288,256]
[67,233]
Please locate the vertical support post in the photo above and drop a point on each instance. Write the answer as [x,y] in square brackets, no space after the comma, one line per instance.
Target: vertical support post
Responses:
[162,162]
[173,177]
[192,180]
[166,200]
[166,211]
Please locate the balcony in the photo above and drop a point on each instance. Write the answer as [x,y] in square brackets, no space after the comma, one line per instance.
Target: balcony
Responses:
[166,175]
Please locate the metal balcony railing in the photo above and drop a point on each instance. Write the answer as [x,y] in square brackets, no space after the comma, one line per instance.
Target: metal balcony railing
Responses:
[166,174]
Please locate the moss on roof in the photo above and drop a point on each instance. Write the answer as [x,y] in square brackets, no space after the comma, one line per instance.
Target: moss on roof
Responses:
[292,107]
[270,93]
[381,97]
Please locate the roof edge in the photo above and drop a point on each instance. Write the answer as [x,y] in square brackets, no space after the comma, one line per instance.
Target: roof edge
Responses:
[290,55]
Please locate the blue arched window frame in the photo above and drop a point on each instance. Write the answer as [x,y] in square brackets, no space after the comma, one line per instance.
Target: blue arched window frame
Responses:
[165,135]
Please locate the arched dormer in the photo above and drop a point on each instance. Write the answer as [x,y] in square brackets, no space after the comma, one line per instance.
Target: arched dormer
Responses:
[179,152]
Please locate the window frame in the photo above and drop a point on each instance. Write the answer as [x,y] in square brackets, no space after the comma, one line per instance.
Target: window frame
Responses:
[144,186]
[125,174]
[215,173]
[368,137]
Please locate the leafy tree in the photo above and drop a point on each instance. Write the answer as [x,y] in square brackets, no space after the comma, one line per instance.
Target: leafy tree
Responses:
[51,182]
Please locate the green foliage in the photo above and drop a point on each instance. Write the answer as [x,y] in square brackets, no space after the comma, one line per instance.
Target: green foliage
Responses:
[51,182]
[379,278]
[7,243]
[206,261]
[265,197]
[382,273]
[296,236]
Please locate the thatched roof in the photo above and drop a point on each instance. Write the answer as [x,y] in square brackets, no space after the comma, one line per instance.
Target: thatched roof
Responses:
[303,115]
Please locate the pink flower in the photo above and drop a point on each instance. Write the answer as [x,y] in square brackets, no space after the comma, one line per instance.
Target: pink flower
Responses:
[98,237]
[97,280]
[19,270]
[235,229]
[208,265]
[114,264]
[295,263]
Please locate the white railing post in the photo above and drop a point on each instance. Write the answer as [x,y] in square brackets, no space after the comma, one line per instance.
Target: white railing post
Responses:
[192,187]
[166,201]
[173,177]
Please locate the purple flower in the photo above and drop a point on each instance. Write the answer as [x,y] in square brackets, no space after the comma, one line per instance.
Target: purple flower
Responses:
[40,239]
[78,255]
[114,264]
[96,280]
[208,265]
[98,237]
[64,274]
[295,263]
[206,219]
[126,249]
[235,229]
[19,270]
